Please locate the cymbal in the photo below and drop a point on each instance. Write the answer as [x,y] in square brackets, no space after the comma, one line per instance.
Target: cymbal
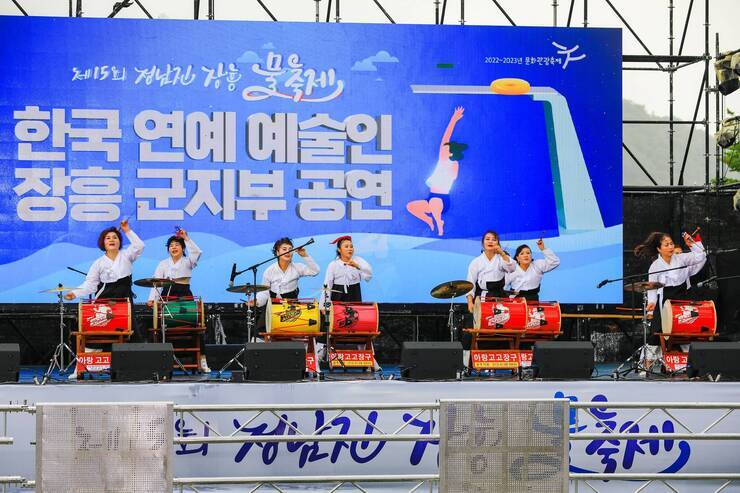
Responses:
[451,289]
[247,288]
[181,280]
[57,289]
[154,282]
[641,287]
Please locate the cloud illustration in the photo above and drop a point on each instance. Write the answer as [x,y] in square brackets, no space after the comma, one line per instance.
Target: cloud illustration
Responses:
[368,64]
[249,57]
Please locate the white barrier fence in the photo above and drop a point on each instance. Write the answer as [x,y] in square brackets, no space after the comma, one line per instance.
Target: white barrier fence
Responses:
[481,420]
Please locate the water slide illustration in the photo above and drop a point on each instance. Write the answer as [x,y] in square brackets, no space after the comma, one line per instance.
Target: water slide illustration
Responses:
[577,208]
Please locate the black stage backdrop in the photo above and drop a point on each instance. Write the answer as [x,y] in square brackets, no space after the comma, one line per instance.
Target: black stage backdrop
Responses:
[36,326]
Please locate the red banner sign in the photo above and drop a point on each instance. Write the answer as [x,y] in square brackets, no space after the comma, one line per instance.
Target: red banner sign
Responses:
[675,361]
[311,362]
[93,362]
[348,358]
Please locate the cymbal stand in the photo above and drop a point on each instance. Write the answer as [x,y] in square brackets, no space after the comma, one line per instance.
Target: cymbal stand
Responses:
[451,320]
[163,327]
[57,359]
[639,358]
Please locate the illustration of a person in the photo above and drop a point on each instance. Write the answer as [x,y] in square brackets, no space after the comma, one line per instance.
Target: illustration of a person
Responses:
[441,180]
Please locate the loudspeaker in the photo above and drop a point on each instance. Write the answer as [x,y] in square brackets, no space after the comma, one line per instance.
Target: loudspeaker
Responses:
[275,361]
[134,361]
[714,358]
[219,355]
[10,362]
[431,360]
[563,359]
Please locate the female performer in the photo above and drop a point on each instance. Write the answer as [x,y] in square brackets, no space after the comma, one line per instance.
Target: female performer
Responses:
[110,275]
[487,271]
[527,276]
[178,265]
[283,275]
[661,245]
[344,274]
[442,179]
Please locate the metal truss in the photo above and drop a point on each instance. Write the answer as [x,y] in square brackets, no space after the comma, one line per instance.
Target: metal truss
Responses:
[670,63]
[584,410]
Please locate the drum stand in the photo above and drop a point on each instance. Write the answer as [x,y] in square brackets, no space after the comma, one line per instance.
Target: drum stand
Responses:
[163,328]
[57,359]
[638,360]
[451,320]
[218,329]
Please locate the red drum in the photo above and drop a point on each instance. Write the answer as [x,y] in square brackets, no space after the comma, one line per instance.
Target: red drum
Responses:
[544,317]
[689,317]
[500,313]
[287,316]
[353,317]
[105,315]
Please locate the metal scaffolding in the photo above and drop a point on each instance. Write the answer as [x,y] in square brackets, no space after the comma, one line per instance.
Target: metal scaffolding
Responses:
[668,63]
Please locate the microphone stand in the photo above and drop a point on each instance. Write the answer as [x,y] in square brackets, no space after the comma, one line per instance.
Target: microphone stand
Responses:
[637,276]
[251,314]
[712,279]
[638,358]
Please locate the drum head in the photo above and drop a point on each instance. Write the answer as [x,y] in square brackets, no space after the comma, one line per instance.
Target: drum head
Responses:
[476,314]
[666,317]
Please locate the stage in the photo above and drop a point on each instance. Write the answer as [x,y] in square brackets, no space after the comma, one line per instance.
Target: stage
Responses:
[311,405]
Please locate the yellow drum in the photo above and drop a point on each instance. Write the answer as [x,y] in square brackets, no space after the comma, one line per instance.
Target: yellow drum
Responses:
[288,316]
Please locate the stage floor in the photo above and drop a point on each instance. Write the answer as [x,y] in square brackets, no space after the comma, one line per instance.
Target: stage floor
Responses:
[602,371]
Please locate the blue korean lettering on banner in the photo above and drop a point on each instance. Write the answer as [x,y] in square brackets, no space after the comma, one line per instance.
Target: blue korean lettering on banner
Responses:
[611,455]
[620,455]
[242,133]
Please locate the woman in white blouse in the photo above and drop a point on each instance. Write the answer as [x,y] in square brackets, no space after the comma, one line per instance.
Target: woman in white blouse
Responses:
[179,265]
[283,275]
[659,246]
[486,272]
[343,275]
[110,275]
[526,279]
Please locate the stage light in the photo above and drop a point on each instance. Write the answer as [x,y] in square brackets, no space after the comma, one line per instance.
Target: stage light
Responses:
[727,68]
[728,132]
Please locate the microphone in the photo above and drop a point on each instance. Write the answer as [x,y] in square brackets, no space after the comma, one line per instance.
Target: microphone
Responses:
[602,284]
[703,283]
[233,275]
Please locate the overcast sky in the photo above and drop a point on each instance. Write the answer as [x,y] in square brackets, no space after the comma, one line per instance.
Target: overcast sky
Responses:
[649,18]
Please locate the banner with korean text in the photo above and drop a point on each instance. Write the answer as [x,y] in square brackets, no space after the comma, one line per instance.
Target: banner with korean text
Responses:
[313,458]
[413,139]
